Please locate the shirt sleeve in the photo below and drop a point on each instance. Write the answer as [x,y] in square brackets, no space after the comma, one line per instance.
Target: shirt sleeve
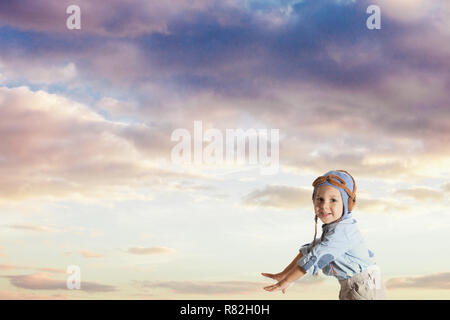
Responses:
[334,244]
[304,249]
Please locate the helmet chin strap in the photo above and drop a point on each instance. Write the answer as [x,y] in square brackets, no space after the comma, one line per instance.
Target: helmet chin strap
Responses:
[315,231]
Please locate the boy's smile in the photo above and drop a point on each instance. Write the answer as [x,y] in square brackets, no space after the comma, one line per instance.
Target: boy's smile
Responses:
[328,204]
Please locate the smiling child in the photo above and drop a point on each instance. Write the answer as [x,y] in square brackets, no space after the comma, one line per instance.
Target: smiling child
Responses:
[340,252]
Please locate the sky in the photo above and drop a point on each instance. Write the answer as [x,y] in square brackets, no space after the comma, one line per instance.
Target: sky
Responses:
[87,115]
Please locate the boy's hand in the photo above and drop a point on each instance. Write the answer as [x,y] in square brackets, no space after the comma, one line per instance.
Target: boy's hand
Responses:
[274,276]
[281,285]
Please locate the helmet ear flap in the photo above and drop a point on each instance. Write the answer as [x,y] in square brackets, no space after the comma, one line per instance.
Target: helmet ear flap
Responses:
[351,200]
[351,203]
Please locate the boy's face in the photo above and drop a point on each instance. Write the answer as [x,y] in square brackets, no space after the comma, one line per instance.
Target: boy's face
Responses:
[328,204]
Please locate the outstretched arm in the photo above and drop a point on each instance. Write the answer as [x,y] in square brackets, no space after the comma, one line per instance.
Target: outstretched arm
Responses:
[292,264]
[294,274]
[285,272]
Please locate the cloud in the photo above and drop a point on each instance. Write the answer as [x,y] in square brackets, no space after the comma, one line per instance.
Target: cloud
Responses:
[51,270]
[42,269]
[287,197]
[19,69]
[446,187]
[431,281]
[118,19]
[90,254]
[421,193]
[214,287]
[116,107]
[359,164]
[379,205]
[220,61]
[188,186]
[278,196]
[31,227]
[7,267]
[206,288]
[228,47]
[8,295]
[42,281]
[53,146]
[150,250]
[409,11]
[225,49]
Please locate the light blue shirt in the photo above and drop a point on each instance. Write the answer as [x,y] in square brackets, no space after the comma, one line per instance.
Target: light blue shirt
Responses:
[341,251]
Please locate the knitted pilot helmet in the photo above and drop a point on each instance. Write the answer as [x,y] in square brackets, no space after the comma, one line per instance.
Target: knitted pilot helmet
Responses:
[344,182]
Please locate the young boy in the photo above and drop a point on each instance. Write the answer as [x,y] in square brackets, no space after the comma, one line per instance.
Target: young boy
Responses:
[341,251]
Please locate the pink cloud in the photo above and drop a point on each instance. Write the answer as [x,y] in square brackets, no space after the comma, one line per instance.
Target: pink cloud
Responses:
[30,227]
[9,295]
[52,270]
[43,269]
[90,254]
[150,250]
[52,146]
[114,19]
[214,287]
[7,267]
[42,281]
[429,281]
[279,196]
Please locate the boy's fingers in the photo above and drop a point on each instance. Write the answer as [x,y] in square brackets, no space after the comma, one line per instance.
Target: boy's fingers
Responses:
[272,287]
[269,275]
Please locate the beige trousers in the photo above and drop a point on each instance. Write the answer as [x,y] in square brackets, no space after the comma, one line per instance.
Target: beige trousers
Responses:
[366,285]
